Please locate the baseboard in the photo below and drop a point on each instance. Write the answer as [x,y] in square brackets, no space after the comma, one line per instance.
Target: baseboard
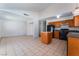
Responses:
[17,36]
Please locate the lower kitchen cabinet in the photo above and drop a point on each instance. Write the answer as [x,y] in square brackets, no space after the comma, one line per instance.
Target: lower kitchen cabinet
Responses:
[73,46]
[57,34]
[46,37]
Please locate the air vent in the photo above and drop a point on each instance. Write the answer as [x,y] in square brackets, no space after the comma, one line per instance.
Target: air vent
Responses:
[31,23]
[26,14]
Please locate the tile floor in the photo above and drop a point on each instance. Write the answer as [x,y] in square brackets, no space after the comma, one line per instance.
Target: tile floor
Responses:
[27,46]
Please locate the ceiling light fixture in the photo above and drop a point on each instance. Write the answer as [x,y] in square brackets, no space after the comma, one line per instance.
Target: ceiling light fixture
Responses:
[58,16]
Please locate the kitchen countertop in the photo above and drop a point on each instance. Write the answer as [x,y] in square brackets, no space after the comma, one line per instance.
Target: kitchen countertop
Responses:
[46,32]
[70,29]
[72,34]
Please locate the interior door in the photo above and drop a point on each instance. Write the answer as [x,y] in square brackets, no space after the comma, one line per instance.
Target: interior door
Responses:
[30,28]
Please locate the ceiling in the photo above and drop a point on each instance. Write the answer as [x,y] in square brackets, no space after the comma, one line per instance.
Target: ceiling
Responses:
[17,10]
[9,15]
[36,7]
[12,9]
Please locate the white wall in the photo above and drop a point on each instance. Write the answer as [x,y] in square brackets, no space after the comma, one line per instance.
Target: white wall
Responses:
[16,28]
[35,19]
[30,27]
[13,28]
[14,25]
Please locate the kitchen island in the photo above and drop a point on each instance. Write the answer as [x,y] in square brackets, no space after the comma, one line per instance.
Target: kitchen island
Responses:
[46,37]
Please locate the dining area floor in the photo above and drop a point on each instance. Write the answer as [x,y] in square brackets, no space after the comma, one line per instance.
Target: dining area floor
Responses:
[28,46]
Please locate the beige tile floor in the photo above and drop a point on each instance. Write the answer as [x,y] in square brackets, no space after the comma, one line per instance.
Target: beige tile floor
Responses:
[27,46]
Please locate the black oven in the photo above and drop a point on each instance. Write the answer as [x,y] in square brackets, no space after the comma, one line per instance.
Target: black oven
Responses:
[63,34]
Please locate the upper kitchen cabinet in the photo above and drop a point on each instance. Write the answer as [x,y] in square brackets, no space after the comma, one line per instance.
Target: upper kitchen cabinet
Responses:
[56,23]
[69,22]
[76,20]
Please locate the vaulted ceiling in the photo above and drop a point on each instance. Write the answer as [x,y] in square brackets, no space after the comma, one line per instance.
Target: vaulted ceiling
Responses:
[36,7]
[19,9]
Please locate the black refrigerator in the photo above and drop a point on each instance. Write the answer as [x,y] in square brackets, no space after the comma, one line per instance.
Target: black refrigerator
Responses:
[51,28]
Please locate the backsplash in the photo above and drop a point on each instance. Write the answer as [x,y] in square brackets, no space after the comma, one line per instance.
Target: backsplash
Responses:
[74,29]
[68,28]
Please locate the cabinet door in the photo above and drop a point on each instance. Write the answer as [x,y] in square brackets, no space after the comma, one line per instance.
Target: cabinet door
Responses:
[73,46]
[46,37]
[56,34]
[70,22]
[76,20]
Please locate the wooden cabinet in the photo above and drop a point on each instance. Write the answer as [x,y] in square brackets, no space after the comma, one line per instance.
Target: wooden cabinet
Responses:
[73,46]
[76,20]
[57,24]
[46,37]
[56,34]
[70,22]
